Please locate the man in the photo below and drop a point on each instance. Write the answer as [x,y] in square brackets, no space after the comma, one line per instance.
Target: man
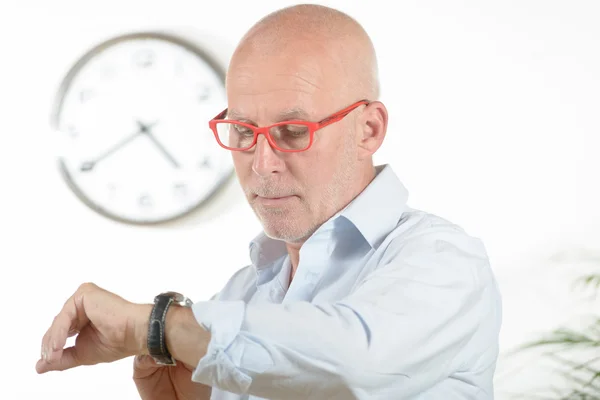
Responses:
[351,294]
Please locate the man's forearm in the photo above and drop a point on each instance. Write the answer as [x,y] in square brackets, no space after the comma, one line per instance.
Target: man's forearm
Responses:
[186,340]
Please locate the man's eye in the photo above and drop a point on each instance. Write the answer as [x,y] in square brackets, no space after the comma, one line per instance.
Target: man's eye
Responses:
[296,130]
[242,130]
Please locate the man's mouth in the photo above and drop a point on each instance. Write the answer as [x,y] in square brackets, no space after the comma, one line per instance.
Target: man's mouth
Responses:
[273,200]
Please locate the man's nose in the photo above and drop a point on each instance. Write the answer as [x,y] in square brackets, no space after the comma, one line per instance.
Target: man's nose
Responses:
[266,160]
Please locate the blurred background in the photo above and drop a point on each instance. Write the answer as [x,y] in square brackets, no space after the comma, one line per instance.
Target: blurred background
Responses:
[494,124]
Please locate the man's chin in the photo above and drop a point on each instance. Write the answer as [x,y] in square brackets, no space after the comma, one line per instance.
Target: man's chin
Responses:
[285,237]
[282,231]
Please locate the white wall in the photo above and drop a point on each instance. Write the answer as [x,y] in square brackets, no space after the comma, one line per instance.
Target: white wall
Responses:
[493,124]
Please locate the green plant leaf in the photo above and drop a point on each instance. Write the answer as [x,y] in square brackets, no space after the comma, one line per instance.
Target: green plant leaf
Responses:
[588,281]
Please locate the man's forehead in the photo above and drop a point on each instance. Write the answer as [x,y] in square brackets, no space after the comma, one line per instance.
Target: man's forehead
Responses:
[289,67]
[278,75]
[279,89]
[275,113]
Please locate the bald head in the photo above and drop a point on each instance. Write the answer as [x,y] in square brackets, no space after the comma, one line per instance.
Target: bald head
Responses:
[336,43]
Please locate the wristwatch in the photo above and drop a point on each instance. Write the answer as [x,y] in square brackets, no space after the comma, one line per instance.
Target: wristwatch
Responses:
[157,343]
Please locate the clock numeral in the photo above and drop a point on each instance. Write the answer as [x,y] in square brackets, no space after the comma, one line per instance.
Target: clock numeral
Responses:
[87,166]
[108,72]
[203,93]
[144,58]
[205,163]
[112,190]
[178,68]
[145,200]
[180,190]
[85,95]
[72,132]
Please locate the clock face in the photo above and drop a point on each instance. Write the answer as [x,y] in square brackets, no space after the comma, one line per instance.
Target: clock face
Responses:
[133,118]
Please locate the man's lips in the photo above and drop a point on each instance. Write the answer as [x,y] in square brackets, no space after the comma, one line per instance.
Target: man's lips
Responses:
[273,200]
[273,197]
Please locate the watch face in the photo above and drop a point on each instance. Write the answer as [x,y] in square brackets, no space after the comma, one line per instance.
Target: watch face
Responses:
[133,119]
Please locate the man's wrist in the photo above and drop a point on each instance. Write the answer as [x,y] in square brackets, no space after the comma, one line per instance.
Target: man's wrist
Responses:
[175,328]
[140,328]
[186,340]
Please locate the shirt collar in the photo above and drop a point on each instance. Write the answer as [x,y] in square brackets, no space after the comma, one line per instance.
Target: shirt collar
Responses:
[374,213]
[264,250]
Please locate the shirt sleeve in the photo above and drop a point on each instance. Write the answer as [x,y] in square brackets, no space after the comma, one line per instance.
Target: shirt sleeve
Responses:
[397,334]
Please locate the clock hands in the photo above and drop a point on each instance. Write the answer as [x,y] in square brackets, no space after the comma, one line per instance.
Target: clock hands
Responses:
[142,129]
[146,130]
[89,165]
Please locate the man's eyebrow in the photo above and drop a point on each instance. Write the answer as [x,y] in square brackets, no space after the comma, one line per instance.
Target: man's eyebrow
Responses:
[295,113]
[291,114]
[233,114]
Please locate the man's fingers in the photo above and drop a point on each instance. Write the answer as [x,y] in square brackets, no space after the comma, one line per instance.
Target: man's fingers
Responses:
[72,318]
[67,359]
[65,326]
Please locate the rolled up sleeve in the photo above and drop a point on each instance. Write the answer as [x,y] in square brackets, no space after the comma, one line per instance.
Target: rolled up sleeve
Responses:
[220,365]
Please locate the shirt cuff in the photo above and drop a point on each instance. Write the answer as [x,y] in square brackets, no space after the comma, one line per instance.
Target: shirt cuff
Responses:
[230,355]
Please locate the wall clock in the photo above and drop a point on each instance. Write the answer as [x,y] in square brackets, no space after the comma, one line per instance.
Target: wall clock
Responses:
[132,114]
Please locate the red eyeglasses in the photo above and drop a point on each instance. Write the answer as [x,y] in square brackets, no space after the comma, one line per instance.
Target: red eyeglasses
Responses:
[287,136]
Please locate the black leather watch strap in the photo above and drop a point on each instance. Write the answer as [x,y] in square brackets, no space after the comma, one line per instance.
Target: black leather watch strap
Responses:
[157,344]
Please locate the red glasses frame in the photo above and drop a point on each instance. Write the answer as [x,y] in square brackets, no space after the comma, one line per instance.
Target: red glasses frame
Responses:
[312,128]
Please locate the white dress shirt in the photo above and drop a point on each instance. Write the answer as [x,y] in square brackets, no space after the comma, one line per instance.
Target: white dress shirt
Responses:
[388,303]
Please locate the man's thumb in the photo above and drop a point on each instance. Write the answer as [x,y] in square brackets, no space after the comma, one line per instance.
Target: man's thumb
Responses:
[67,360]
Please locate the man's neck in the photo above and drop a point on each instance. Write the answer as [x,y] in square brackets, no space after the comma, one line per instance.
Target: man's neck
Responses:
[293,250]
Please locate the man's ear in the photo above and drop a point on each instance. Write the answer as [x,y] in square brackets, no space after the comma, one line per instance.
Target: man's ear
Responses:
[372,128]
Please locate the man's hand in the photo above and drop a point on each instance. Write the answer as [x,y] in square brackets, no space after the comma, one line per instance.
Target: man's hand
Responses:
[156,382]
[108,328]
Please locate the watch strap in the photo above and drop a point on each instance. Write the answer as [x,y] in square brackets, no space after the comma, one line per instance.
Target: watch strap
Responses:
[157,344]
